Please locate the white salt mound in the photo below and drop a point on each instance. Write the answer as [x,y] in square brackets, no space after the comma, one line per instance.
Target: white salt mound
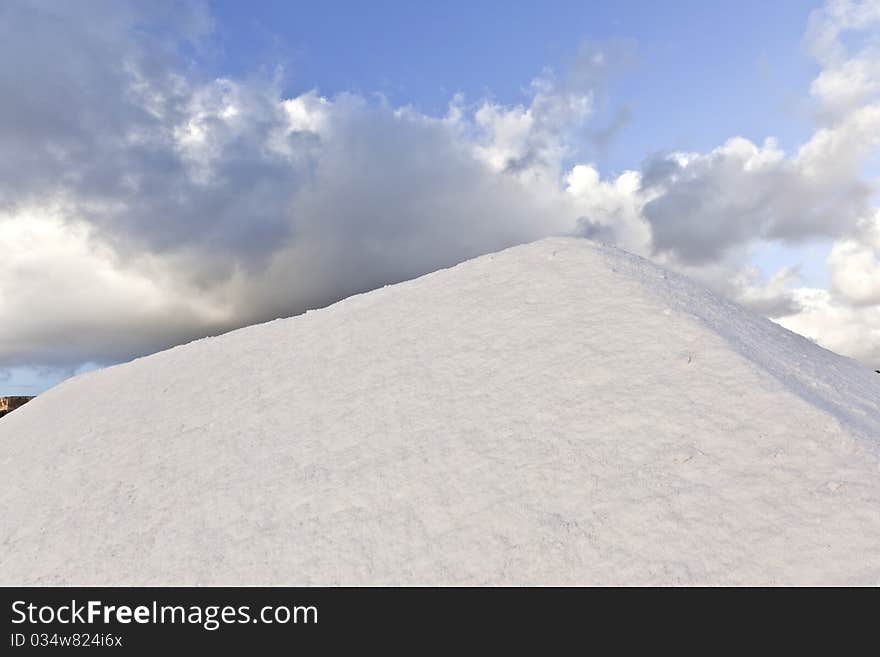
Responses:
[557,413]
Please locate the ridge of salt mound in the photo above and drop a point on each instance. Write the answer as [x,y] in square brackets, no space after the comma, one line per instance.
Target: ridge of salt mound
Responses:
[557,413]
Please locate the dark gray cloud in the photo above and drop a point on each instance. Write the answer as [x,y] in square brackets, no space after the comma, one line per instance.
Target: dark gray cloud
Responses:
[703,205]
[100,100]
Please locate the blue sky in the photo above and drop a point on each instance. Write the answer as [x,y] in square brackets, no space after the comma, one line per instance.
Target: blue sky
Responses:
[171,171]
[693,73]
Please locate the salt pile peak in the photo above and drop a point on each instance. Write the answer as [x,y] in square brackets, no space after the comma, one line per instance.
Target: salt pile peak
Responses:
[557,413]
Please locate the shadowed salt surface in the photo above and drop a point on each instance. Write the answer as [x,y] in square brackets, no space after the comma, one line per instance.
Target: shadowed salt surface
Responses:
[557,413]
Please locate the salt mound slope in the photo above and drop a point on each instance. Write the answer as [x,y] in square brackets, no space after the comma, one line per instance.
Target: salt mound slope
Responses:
[557,413]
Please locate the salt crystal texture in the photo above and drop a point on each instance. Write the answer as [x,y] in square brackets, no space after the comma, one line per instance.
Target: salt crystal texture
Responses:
[557,413]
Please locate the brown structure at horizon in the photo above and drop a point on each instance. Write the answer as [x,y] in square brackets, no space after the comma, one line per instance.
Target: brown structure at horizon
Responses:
[9,404]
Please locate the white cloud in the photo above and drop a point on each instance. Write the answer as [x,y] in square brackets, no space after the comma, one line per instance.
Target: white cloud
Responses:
[611,210]
[838,326]
[854,264]
[705,204]
[849,85]
[65,296]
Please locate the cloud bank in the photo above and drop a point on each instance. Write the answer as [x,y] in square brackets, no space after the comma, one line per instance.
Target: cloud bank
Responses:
[144,204]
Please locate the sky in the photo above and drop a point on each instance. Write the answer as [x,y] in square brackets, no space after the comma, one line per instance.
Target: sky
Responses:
[423,53]
[171,170]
